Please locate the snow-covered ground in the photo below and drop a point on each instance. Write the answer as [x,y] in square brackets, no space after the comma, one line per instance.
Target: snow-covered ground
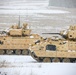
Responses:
[41,18]
[26,65]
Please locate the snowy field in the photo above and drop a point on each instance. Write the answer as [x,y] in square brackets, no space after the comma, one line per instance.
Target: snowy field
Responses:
[25,65]
[41,18]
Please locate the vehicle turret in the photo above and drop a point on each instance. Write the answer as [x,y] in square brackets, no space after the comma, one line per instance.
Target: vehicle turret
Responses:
[69,33]
[15,30]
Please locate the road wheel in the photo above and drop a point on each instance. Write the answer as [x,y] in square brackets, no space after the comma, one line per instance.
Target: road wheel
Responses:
[38,59]
[17,52]
[46,60]
[66,60]
[1,52]
[55,60]
[25,52]
[75,61]
[9,52]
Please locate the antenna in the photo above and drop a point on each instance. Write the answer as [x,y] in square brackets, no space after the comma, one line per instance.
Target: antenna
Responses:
[19,21]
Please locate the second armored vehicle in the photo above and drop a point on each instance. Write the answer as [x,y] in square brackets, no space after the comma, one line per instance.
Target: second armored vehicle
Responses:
[56,49]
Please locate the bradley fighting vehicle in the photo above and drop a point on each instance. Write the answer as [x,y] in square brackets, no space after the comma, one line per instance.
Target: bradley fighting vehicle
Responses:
[56,49]
[17,40]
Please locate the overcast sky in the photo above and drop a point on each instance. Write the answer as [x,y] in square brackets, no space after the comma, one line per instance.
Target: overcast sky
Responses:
[23,3]
[63,3]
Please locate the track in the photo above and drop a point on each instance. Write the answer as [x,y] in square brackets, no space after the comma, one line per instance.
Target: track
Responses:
[14,52]
[53,59]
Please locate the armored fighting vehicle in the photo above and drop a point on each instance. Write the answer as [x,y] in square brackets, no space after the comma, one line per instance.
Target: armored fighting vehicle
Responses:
[56,49]
[17,40]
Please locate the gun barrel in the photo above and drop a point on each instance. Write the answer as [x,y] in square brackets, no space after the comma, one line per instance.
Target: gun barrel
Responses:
[51,33]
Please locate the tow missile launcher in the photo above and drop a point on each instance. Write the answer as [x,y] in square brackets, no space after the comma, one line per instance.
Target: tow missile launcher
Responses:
[70,33]
[17,40]
[56,49]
